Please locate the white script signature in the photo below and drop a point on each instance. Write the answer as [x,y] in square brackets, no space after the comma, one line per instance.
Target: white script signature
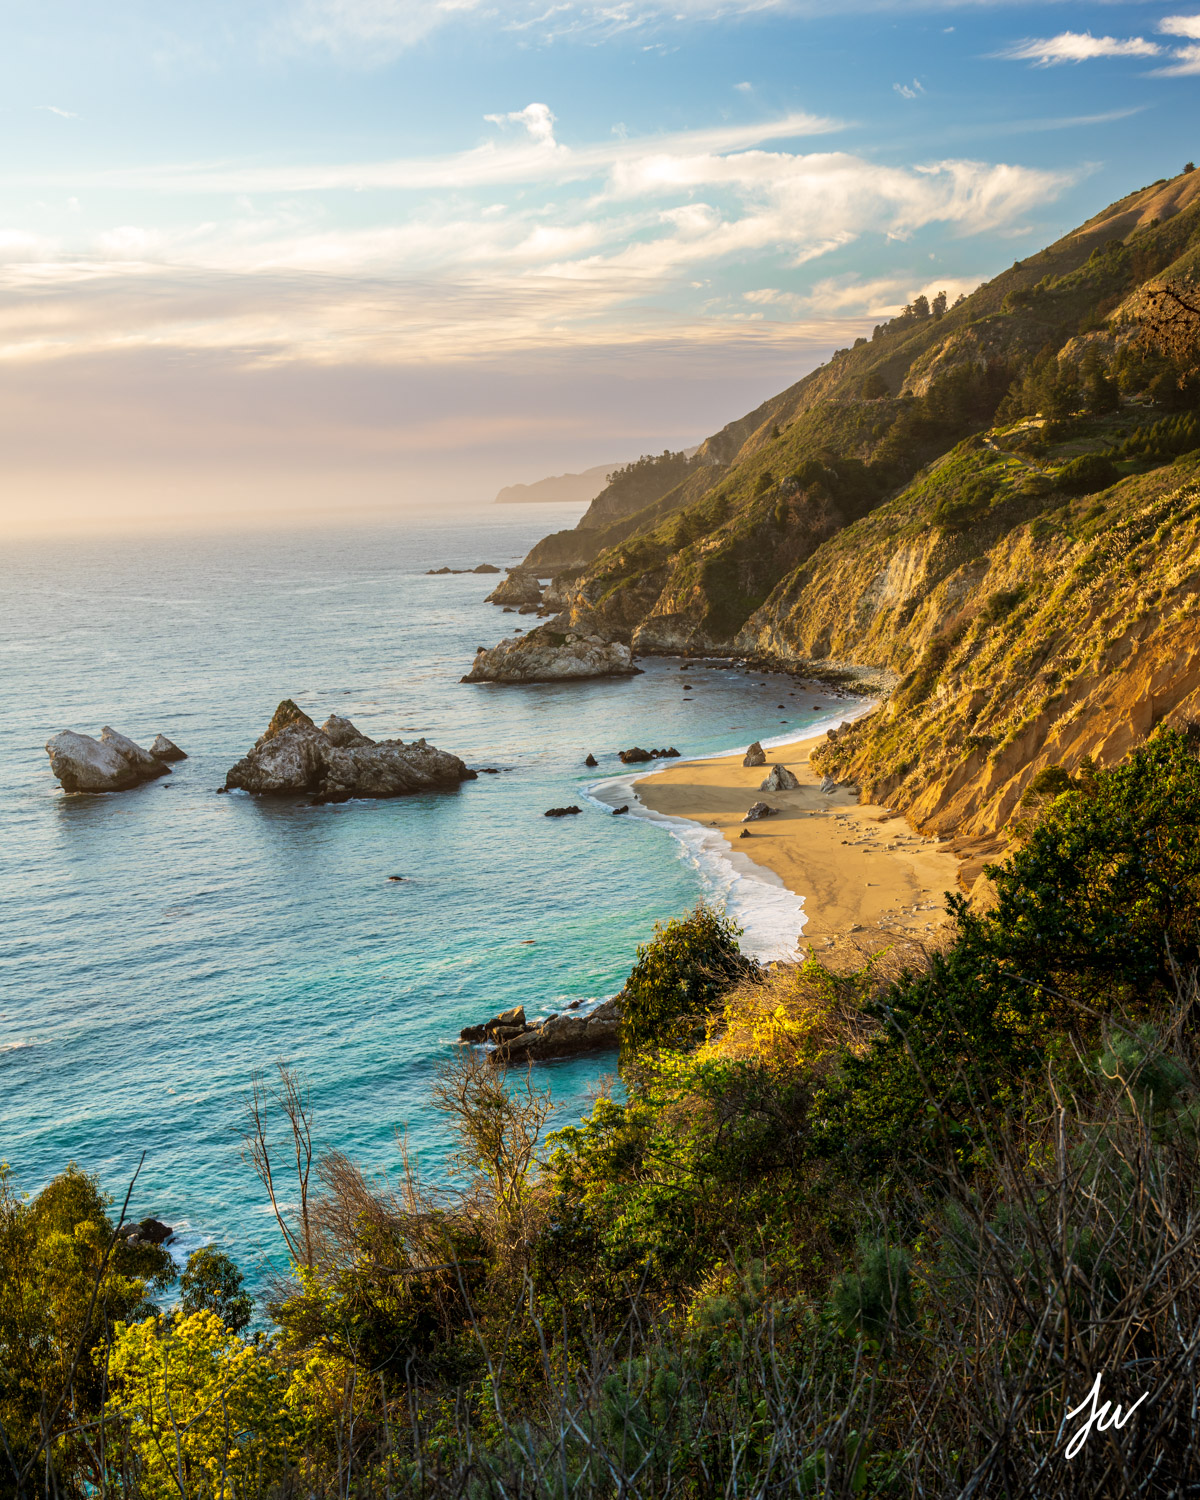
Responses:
[1097,1416]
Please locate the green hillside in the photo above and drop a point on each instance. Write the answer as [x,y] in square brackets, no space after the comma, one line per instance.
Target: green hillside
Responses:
[922,508]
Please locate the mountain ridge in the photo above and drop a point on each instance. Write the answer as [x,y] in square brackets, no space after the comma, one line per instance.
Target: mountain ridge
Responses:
[911,509]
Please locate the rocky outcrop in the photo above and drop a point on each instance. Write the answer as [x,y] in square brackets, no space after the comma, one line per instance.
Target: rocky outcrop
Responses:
[546,655]
[756,811]
[779,780]
[635,755]
[755,755]
[147,1232]
[561,812]
[113,763]
[480,568]
[165,749]
[517,1041]
[338,761]
[520,587]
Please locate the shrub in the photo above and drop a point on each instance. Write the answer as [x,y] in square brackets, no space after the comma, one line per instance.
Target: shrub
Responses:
[687,965]
[1088,472]
[211,1282]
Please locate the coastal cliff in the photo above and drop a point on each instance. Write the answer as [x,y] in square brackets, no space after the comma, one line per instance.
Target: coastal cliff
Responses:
[989,505]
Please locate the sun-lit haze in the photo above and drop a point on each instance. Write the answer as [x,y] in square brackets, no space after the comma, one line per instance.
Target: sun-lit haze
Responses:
[330,256]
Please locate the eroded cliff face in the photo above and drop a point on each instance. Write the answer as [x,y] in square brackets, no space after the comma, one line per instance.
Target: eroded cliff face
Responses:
[1066,639]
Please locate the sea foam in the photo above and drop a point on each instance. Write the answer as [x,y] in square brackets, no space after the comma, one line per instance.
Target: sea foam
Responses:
[771,916]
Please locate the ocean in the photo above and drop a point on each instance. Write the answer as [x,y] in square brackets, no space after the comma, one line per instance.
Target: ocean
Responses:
[159,946]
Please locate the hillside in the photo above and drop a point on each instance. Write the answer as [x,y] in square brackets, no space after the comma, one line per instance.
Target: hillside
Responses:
[559,489]
[990,504]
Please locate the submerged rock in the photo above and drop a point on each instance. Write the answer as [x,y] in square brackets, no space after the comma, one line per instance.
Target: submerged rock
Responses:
[755,755]
[338,761]
[546,655]
[520,587]
[165,749]
[561,812]
[113,763]
[780,780]
[759,810]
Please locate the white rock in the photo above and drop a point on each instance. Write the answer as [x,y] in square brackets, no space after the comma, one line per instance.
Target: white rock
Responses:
[113,763]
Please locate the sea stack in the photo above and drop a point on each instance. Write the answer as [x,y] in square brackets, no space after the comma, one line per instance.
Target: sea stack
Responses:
[337,762]
[113,763]
[546,655]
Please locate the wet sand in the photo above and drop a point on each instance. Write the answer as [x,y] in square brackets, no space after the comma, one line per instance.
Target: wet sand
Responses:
[863,873]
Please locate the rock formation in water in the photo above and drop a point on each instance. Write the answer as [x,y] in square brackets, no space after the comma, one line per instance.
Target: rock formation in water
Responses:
[546,655]
[520,587]
[113,763]
[165,749]
[517,1041]
[755,755]
[779,780]
[337,761]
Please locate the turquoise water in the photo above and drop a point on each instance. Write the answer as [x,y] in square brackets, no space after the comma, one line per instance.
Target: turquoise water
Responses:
[158,946]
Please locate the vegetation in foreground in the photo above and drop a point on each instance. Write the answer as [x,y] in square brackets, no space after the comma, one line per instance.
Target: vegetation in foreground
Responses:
[870,1232]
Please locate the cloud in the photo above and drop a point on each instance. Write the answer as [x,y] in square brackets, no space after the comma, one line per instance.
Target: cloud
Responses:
[520,244]
[1187,63]
[53,109]
[536,118]
[908,91]
[371,32]
[1077,46]
[537,159]
[1180,26]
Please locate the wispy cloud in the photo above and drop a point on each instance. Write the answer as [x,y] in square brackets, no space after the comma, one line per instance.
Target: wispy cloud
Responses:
[911,90]
[1187,63]
[1076,47]
[538,158]
[53,109]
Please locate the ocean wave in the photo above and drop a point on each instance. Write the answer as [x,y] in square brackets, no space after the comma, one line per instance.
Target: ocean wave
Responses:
[772,916]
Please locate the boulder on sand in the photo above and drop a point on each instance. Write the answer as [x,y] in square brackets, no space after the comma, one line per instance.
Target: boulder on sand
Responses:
[755,755]
[113,763]
[520,587]
[165,749]
[759,810]
[780,780]
[338,761]
[546,655]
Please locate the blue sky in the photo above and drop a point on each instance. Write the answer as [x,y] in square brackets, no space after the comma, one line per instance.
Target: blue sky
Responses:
[340,253]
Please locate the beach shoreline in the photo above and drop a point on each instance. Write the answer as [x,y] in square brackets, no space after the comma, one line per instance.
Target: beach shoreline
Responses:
[861,874]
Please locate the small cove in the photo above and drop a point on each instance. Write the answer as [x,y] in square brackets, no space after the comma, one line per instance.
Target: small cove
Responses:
[160,945]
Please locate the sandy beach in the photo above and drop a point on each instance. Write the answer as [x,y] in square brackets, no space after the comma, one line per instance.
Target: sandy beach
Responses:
[865,876]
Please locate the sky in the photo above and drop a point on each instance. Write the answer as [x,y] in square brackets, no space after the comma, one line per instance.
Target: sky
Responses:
[280,258]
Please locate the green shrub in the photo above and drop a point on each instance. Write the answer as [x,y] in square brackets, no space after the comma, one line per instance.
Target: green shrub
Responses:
[1087,473]
[211,1282]
[680,973]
